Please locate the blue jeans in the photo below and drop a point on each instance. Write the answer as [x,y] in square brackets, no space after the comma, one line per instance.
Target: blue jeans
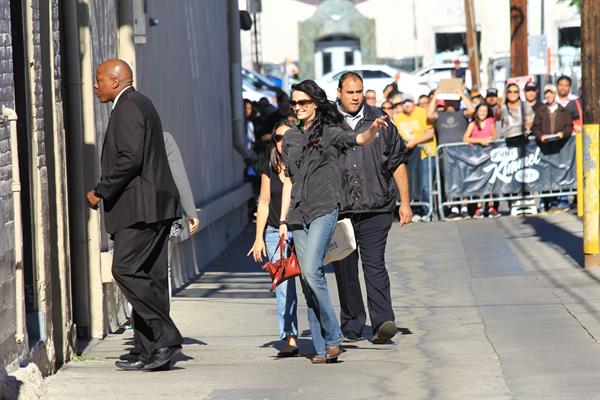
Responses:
[425,178]
[311,243]
[285,293]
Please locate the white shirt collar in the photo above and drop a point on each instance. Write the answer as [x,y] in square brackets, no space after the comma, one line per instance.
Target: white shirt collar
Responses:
[119,95]
[564,103]
[352,120]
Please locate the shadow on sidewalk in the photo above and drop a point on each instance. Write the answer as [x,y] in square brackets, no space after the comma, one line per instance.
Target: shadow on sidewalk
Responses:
[548,232]
[233,275]
[572,246]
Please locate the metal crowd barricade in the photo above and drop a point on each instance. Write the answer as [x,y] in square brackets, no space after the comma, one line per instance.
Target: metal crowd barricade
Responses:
[418,201]
[504,196]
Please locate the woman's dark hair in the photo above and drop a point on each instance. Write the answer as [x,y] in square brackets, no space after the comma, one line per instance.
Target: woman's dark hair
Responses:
[274,156]
[326,113]
[477,120]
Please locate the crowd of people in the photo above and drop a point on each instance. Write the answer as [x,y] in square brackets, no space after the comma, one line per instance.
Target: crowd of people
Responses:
[428,121]
[325,160]
[478,120]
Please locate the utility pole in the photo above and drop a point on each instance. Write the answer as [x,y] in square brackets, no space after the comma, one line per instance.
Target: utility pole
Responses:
[255,9]
[472,45]
[518,38]
[590,60]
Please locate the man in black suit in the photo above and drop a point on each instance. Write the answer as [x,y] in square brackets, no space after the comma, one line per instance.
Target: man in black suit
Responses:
[140,202]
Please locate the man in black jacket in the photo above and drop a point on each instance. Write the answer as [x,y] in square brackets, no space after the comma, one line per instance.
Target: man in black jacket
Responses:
[370,174]
[140,202]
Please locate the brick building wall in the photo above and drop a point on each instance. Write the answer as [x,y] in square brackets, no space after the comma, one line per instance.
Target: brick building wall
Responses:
[41,153]
[8,346]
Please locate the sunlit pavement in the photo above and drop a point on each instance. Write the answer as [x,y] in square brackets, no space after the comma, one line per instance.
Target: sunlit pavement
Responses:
[486,309]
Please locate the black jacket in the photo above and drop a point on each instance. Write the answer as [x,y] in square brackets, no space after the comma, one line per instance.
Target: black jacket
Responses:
[367,171]
[315,174]
[136,183]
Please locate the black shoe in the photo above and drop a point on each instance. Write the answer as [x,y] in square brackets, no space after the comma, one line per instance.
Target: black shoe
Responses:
[132,355]
[385,332]
[351,338]
[161,358]
[133,365]
[454,216]
[288,353]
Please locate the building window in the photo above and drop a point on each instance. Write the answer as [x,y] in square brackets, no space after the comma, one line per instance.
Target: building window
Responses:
[326,63]
[570,36]
[348,58]
[453,42]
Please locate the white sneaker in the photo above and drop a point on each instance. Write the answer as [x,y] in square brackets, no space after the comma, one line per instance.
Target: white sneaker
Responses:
[416,218]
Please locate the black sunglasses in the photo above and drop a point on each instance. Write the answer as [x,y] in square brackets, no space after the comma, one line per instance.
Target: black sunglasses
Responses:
[302,103]
[277,138]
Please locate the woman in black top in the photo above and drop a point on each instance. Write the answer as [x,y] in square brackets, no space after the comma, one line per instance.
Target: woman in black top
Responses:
[312,194]
[268,212]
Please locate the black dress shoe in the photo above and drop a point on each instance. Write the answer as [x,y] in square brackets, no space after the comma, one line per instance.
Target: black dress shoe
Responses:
[132,355]
[134,365]
[288,353]
[161,358]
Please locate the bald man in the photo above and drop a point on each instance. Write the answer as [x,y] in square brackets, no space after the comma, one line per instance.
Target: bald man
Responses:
[140,202]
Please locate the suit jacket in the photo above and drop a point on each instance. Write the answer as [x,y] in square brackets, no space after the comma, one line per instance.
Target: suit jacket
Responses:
[541,122]
[136,183]
[541,126]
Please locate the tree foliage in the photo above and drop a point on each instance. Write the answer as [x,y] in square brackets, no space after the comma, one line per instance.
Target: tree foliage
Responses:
[574,3]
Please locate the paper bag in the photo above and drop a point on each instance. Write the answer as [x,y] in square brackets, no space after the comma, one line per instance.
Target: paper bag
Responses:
[343,242]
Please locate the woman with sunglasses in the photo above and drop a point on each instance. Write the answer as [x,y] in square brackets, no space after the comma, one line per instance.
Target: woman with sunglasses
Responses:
[515,115]
[268,212]
[312,194]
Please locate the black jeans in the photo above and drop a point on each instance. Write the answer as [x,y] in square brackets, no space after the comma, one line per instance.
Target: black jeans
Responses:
[371,231]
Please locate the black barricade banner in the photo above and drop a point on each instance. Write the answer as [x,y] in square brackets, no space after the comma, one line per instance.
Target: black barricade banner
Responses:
[474,170]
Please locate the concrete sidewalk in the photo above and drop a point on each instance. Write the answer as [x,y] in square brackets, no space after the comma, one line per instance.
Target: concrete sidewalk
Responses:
[487,309]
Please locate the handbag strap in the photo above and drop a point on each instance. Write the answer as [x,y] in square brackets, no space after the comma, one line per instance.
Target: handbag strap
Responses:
[279,247]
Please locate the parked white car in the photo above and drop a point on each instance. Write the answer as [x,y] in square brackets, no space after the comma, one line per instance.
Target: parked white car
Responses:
[253,94]
[431,75]
[375,77]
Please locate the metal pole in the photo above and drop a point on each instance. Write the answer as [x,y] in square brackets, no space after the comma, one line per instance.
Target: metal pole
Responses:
[255,43]
[590,59]
[235,77]
[542,20]
[9,115]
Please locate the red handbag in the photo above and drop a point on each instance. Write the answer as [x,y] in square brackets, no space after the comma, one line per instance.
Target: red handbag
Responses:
[284,268]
